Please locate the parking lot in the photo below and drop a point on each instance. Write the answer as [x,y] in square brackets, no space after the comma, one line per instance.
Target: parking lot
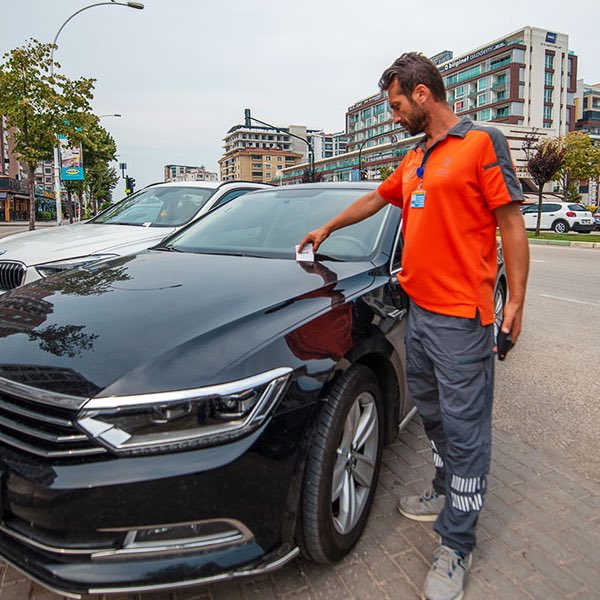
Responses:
[538,533]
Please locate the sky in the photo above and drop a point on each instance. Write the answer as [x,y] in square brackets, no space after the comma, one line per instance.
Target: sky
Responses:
[181,72]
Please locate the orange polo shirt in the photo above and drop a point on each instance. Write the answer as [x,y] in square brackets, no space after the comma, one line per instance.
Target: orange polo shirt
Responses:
[449,259]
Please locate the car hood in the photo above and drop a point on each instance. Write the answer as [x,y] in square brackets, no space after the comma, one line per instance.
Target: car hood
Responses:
[79,239]
[161,321]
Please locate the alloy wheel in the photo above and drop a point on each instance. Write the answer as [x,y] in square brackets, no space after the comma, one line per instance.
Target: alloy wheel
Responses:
[354,470]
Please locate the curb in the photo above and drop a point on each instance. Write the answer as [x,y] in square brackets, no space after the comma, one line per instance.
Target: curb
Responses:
[564,243]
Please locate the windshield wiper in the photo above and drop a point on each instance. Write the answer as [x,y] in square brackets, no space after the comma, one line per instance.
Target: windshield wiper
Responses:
[167,249]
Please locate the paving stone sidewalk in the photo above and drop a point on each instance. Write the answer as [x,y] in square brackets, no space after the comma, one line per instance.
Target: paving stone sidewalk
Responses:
[539,538]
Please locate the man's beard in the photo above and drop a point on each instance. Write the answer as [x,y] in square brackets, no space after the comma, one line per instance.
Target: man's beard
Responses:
[417,120]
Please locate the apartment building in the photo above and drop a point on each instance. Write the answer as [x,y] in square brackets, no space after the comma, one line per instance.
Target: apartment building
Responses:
[188,173]
[587,108]
[522,81]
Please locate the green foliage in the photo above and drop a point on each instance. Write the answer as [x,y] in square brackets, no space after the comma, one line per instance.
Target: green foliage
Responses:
[544,161]
[582,162]
[385,172]
[40,104]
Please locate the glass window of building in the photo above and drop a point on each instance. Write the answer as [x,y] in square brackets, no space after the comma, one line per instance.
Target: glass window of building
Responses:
[503,111]
[459,106]
[547,95]
[485,115]
[549,60]
[501,95]
[549,79]
[483,84]
[459,91]
[482,99]
[547,113]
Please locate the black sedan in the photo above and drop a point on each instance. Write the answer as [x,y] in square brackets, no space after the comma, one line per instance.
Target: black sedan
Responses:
[207,408]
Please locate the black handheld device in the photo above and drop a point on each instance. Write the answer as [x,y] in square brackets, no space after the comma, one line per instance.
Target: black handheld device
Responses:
[504,343]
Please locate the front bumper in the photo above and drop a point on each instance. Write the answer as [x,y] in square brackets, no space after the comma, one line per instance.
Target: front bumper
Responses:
[70,526]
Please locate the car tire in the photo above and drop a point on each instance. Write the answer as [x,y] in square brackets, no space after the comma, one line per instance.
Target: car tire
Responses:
[345,454]
[560,226]
[499,302]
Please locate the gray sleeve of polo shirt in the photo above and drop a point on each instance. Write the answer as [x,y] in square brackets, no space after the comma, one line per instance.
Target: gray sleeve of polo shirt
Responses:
[504,161]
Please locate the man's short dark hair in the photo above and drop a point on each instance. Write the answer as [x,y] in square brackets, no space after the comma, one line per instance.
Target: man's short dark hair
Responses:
[411,69]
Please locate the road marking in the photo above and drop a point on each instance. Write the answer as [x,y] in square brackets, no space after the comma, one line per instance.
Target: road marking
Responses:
[569,300]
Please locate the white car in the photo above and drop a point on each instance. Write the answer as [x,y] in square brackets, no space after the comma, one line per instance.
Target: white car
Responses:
[559,217]
[133,224]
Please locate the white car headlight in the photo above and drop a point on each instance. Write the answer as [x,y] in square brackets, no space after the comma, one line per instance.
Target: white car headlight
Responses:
[71,263]
[183,419]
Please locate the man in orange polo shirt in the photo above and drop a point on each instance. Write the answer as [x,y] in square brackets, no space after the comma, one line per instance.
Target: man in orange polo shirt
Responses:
[455,187]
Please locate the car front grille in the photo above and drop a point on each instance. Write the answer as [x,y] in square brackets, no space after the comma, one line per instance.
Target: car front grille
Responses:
[41,429]
[12,275]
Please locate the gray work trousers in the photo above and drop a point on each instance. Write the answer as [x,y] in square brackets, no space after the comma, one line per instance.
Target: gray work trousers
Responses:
[450,374]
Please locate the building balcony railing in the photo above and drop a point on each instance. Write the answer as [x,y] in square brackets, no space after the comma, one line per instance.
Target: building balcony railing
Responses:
[13,185]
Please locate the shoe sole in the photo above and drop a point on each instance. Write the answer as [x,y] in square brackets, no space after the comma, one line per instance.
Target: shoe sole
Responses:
[421,518]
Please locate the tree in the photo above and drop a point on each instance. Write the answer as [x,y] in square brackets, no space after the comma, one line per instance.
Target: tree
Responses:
[544,161]
[39,105]
[582,162]
[385,172]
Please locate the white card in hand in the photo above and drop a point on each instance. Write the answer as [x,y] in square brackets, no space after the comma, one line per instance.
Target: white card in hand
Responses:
[306,254]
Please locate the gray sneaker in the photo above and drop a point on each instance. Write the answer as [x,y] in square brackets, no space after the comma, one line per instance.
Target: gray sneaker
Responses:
[425,507]
[447,576]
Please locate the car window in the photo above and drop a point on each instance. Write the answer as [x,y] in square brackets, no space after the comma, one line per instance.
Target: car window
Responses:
[229,196]
[529,209]
[550,207]
[157,207]
[577,208]
[271,223]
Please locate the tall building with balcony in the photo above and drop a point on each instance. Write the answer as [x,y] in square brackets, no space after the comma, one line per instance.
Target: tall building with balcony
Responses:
[260,153]
[528,78]
[524,78]
[327,145]
[188,173]
[587,108]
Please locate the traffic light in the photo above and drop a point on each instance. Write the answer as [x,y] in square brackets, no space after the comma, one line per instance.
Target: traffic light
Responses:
[129,185]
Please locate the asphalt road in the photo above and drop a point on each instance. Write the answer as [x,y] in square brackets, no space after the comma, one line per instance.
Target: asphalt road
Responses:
[555,366]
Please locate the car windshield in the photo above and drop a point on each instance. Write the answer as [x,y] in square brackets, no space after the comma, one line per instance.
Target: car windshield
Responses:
[272,223]
[157,207]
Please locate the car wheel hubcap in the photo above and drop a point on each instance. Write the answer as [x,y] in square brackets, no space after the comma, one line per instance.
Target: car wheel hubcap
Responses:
[498,311]
[354,468]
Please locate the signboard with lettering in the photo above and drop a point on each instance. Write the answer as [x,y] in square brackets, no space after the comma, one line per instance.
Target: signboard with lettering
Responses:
[71,161]
[551,37]
[473,56]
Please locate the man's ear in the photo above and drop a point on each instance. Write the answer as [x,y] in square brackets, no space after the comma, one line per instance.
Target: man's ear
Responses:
[421,93]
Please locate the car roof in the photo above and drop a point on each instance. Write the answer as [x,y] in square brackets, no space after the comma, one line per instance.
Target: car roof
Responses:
[365,185]
[205,184]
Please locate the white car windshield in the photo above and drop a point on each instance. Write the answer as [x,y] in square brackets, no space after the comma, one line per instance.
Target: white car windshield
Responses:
[157,207]
[271,223]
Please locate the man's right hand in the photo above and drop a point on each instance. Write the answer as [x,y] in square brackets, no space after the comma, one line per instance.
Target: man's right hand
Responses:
[315,237]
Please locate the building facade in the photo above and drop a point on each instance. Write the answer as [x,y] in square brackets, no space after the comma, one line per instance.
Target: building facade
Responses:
[327,145]
[522,82]
[188,173]
[587,109]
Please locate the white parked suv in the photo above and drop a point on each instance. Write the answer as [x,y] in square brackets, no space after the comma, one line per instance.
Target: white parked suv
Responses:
[559,217]
[133,224]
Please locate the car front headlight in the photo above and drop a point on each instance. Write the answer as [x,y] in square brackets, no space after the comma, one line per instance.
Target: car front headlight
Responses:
[183,419]
[71,263]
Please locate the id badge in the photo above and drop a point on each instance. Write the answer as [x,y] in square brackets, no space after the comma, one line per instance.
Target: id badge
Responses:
[417,199]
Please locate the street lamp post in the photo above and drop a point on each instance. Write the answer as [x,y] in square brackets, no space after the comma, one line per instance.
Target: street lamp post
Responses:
[311,153]
[114,115]
[393,139]
[136,5]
